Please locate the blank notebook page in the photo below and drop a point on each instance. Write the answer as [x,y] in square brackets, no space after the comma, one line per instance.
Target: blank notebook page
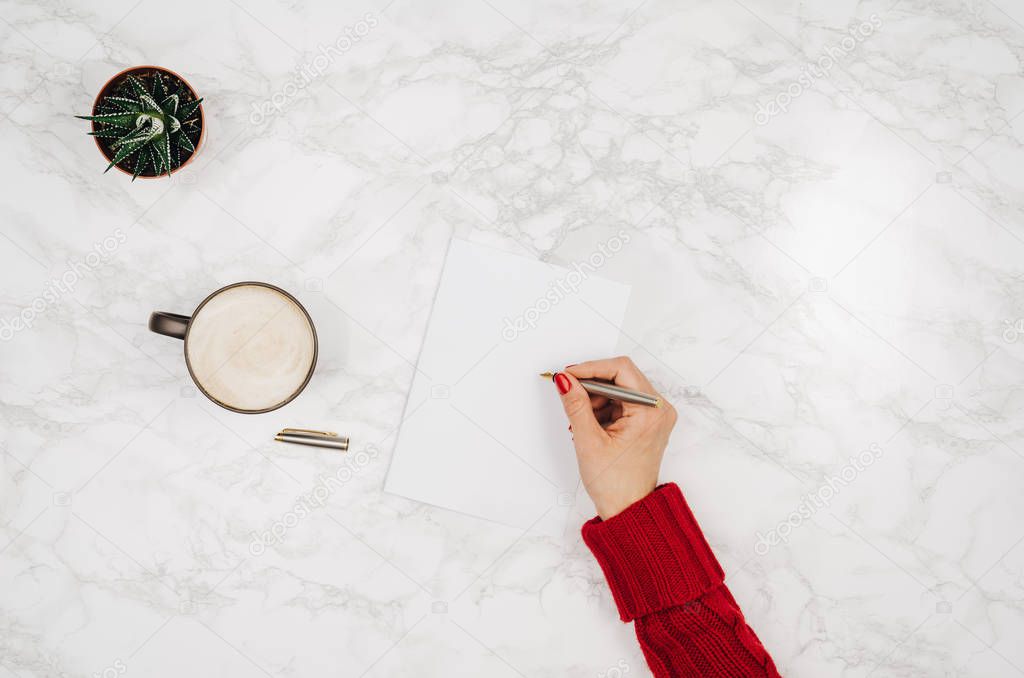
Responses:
[482,433]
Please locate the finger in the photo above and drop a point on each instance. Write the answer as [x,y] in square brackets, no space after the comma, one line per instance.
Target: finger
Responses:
[576,402]
[605,414]
[609,413]
[619,371]
[598,401]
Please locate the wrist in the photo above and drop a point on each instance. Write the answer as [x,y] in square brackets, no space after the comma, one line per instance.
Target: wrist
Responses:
[613,506]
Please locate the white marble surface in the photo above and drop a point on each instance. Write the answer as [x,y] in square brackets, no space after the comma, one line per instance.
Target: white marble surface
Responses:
[808,284]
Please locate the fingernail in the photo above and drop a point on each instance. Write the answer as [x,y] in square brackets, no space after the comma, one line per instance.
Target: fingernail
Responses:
[562,383]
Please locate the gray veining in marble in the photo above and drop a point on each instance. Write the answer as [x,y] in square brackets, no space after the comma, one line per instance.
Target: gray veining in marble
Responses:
[826,209]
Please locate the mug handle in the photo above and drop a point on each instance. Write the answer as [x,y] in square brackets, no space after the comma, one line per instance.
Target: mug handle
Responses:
[169,324]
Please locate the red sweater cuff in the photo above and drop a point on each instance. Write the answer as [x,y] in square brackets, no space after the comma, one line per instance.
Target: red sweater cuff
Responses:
[653,554]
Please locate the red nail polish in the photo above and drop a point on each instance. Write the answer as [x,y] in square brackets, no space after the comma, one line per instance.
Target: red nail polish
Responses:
[562,383]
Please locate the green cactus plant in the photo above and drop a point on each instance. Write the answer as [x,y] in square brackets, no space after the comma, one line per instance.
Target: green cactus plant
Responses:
[150,131]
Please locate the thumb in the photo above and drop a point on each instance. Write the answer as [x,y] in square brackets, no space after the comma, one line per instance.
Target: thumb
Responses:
[576,401]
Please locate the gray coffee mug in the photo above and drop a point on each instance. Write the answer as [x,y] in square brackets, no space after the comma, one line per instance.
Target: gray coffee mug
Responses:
[250,347]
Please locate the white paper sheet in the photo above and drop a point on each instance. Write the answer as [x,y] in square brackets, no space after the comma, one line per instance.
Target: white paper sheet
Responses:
[482,433]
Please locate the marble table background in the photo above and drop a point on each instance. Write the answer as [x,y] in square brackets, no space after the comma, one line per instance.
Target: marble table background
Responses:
[825,206]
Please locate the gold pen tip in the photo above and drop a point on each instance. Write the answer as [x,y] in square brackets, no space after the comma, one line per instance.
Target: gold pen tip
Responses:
[546,375]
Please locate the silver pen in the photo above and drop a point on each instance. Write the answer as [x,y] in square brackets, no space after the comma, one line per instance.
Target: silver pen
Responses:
[302,436]
[613,392]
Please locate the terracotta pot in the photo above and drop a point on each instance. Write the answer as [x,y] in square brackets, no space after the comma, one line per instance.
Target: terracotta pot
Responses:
[109,87]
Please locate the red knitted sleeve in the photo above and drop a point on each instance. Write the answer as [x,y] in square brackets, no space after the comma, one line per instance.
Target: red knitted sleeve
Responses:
[664,577]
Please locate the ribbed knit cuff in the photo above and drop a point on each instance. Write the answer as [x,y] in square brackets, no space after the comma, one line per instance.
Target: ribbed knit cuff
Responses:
[653,554]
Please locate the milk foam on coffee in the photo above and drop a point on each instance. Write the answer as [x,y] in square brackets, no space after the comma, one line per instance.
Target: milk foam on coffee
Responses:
[250,347]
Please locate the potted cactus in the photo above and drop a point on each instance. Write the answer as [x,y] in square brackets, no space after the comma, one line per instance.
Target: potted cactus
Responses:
[147,121]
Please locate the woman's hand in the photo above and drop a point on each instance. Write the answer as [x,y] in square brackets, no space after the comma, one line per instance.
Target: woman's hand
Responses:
[619,446]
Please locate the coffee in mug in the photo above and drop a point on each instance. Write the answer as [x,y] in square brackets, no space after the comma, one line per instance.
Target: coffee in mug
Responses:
[250,347]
